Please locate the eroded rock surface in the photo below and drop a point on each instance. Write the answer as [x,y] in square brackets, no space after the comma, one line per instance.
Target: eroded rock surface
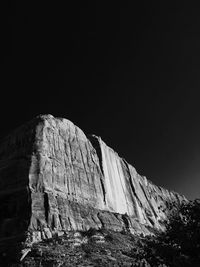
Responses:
[55,179]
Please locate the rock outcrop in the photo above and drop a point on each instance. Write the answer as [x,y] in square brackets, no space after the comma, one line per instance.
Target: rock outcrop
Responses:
[55,179]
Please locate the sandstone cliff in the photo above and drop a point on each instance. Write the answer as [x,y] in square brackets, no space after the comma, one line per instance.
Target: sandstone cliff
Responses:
[55,179]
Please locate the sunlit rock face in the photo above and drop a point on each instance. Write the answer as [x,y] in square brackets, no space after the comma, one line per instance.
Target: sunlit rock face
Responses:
[127,192]
[55,179]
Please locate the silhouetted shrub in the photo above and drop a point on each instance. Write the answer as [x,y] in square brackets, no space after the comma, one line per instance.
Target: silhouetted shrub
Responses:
[179,245]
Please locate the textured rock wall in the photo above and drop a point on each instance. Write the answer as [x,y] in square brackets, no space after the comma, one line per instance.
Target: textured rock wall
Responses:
[54,179]
[130,193]
[15,159]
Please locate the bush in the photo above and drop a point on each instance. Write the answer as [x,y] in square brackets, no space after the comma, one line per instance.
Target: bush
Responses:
[179,245]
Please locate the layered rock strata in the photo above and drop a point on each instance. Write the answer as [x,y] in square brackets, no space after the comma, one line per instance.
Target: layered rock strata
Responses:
[54,179]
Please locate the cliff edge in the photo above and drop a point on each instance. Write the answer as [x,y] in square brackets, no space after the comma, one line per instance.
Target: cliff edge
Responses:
[54,179]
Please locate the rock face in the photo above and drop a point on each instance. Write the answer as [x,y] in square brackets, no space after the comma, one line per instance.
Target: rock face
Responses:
[54,179]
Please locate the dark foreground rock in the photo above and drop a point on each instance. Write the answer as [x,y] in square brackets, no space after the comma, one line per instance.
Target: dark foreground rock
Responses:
[54,179]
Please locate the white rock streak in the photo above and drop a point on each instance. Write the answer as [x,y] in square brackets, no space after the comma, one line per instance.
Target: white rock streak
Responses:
[115,185]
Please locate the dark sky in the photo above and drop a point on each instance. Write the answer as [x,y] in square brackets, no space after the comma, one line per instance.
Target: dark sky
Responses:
[129,73]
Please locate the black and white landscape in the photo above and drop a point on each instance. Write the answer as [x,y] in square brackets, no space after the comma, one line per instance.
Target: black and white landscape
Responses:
[119,188]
